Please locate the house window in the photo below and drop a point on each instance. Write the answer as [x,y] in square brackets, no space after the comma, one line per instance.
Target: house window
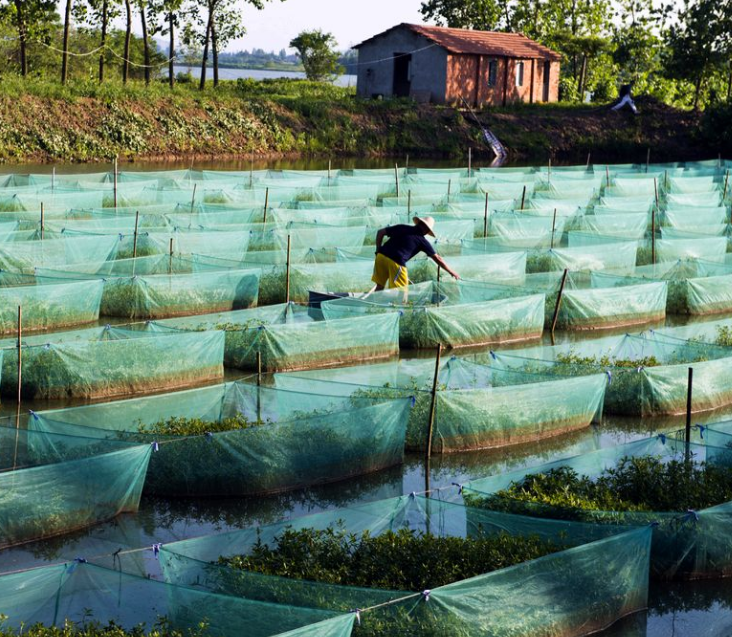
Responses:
[492,72]
[519,73]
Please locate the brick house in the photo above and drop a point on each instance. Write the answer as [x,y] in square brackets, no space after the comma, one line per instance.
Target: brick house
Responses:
[435,64]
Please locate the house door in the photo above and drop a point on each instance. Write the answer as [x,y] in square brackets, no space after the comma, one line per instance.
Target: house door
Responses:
[402,80]
[545,75]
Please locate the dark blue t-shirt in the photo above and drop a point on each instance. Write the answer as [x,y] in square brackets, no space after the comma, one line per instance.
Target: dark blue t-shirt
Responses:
[404,242]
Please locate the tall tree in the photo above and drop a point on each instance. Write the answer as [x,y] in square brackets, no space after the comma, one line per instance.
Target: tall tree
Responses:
[171,12]
[486,15]
[128,36]
[319,57]
[215,23]
[33,20]
[65,45]
[99,16]
[696,44]
[142,5]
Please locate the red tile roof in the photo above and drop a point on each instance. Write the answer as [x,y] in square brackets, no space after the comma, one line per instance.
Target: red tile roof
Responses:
[468,41]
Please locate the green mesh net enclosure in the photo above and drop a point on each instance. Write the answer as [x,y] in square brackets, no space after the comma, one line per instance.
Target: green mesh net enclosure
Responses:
[649,373]
[83,481]
[431,314]
[284,337]
[46,303]
[686,544]
[476,406]
[24,256]
[78,591]
[111,361]
[485,604]
[695,287]
[277,440]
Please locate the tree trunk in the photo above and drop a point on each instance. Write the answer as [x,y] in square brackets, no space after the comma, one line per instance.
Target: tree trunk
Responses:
[145,42]
[103,41]
[21,37]
[583,78]
[65,53]
[215,54]
[697,91]
[171,52]
[128,35]
[204,61]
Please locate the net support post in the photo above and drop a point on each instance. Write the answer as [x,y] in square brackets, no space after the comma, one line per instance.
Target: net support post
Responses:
[689,394]
[433,407]
[558,304]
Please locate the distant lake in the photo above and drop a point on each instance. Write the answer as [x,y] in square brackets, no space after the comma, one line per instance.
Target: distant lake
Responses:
[257,74]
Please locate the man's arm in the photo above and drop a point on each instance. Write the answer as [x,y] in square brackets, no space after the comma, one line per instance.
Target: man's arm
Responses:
[441,263]
[380,237]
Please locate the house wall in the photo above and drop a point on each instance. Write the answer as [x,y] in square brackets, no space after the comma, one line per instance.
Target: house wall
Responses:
[467,77]
[429,66]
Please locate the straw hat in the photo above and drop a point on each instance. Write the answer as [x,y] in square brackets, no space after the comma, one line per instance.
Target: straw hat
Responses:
[429,222]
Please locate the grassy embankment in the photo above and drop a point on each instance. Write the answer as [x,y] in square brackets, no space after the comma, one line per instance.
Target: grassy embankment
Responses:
[42,121]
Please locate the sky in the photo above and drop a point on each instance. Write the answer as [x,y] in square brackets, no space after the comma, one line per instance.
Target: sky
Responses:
[350,21]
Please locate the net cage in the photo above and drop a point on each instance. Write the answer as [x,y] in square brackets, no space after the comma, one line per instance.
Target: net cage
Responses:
[80,593]
[695,287]
[475,406]
[243,439]
[284,337]
[686,544]
[110,361]
[431,314]
[46,303]
[484,604]
[649,373]
[54,484]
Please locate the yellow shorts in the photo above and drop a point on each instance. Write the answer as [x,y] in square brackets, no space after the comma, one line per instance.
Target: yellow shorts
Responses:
[389,274]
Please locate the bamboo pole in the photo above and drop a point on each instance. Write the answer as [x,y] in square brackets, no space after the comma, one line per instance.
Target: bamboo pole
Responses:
[653,235]
[396,178]
[193,198]
[115,182]
[449,189]
[20,354]
[287,272]
[689,392]
[665,179]
[406,165]
[523,198]
[259,386]
[485,217]
[43,221]
[726,183]
[439,274]
[558,304]
[554,225]
[550,169]
[134,237]
[588,160]
[433,406]
[266,205]
[20,386]
[470,163]
[170,257]
[655,189]
[607,175]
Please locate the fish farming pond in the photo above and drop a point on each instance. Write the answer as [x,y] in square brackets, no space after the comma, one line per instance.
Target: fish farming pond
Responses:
[184,396]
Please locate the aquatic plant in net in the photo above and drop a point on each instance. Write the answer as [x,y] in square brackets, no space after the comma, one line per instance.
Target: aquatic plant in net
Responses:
[243,439]
[483,603]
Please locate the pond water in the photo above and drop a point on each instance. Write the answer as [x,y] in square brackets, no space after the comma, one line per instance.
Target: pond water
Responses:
[683,609]
[258,74]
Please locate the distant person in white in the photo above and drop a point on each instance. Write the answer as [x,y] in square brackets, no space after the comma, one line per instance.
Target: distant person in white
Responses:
[625,99]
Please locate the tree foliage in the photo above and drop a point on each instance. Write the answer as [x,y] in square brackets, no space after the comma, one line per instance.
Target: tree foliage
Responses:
[317,51]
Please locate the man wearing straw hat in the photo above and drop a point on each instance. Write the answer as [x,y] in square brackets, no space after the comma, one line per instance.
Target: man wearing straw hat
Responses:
[405,242]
